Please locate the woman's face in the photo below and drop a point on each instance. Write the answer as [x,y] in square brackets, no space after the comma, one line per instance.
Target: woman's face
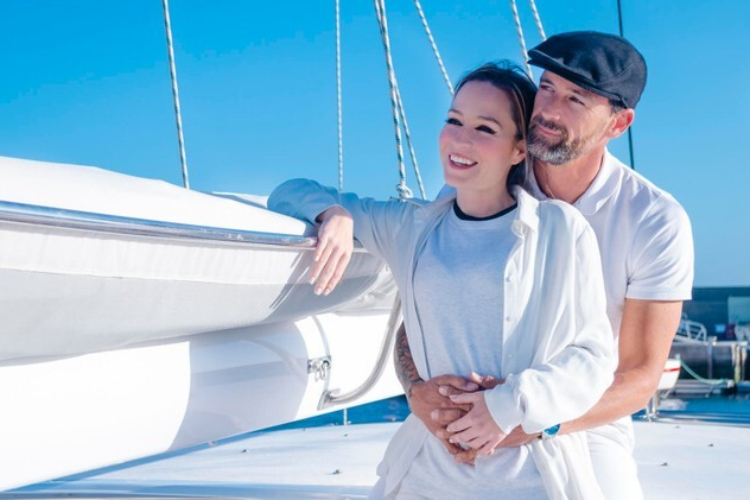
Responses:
[478,142]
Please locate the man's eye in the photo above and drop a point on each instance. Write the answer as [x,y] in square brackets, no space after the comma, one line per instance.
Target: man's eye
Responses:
[485,128]
[577,101]
[452,121]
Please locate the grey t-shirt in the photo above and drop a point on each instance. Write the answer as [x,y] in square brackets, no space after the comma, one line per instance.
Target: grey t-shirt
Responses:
[459,297]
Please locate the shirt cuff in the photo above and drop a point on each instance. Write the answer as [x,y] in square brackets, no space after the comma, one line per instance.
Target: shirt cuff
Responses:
[644,293]
[315,209]
[504,406]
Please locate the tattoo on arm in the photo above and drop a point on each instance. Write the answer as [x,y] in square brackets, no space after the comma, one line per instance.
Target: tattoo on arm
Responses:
[405,368]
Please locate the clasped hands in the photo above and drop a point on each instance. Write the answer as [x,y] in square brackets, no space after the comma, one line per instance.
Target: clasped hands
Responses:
[454,410]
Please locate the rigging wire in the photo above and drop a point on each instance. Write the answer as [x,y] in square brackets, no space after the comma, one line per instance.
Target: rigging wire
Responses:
[339,114]
[175,95]
[630,128]
[435,50]
[403,190]
[521,38]
[538,20]
[412,153]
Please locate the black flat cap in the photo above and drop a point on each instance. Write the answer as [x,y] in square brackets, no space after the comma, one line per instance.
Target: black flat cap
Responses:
[605,64]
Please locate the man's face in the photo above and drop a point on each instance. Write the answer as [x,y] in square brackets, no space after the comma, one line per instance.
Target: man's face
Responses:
[567,122]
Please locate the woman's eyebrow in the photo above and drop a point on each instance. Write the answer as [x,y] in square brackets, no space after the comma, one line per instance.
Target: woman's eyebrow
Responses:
[481,117]
[490,119]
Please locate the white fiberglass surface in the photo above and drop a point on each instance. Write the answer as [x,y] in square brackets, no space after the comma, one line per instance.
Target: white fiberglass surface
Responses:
[96,190]
[75,414]
[674,461]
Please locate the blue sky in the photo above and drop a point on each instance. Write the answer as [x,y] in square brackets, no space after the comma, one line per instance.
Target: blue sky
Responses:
[87,82]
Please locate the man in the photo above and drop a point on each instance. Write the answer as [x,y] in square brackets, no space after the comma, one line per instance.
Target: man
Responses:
[587,96]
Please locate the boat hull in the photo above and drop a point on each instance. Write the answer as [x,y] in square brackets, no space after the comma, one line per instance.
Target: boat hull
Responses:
[94,260]
[75,414]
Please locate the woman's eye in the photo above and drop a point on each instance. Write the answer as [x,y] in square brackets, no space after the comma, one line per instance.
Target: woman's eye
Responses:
[485,128]
[452,121]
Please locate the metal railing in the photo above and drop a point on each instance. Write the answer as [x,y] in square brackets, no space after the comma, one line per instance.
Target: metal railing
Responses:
[332,397]
[113,224]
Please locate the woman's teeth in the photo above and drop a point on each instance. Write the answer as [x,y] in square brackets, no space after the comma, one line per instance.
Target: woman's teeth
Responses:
[461,160]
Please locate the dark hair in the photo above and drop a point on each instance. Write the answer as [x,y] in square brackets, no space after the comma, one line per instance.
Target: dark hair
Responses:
[615,106]
[511,79]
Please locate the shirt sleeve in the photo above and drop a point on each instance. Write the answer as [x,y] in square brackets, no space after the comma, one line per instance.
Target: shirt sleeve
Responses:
[573,365]
[376,223]
[662,259]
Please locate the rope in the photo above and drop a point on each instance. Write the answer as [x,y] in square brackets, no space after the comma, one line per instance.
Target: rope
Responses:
[521,38]
[434,46]
[403,190]
[338,97]
[412,154]
[538,19]
[699,378]
[175,95]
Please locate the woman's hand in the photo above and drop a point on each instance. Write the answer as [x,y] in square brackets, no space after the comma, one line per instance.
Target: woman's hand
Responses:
[334,250]
[477,428]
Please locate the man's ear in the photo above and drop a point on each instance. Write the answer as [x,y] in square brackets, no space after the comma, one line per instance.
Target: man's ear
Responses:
[621,121]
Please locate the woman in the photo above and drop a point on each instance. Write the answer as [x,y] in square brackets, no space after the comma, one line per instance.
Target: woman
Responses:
[492,281]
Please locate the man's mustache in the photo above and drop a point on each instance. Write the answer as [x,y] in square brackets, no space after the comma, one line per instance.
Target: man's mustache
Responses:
[549,125]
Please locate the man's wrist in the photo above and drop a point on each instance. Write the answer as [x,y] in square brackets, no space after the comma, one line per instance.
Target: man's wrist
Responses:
[410,386]
[550,432]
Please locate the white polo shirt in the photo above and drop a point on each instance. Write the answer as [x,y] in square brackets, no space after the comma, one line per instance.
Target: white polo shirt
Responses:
[646,246]
[644,234]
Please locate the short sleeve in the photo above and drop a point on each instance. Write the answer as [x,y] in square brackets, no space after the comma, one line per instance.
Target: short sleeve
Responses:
[662,257]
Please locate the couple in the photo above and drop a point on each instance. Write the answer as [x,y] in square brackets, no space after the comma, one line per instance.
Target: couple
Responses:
[499,276]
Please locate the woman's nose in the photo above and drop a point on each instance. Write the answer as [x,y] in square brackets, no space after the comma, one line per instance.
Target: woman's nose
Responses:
[463,136]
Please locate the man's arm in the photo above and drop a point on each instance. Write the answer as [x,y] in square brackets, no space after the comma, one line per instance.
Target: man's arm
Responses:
[646,334]
[406,371]
[426,397]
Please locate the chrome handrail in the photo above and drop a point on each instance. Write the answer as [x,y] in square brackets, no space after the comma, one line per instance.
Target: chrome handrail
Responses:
[114,224]
[332,397]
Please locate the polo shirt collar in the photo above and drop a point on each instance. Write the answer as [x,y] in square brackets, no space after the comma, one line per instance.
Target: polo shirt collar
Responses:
[605,184]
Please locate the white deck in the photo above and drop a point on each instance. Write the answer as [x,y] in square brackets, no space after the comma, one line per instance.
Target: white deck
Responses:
[676,460]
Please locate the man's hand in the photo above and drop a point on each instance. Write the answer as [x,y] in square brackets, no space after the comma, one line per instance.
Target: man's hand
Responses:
[430,402]
[334,250]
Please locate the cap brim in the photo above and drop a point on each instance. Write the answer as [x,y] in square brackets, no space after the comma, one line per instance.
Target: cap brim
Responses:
[543,61]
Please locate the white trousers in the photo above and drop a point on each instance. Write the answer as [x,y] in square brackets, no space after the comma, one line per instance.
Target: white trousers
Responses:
[614,467]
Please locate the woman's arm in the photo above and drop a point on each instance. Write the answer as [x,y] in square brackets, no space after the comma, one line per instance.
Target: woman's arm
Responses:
[340,215]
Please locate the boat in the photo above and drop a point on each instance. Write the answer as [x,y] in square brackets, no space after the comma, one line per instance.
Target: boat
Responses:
[709,364]
[676,459]
[140,317]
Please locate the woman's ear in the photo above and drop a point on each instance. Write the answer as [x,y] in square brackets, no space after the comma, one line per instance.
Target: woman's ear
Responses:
[519,152]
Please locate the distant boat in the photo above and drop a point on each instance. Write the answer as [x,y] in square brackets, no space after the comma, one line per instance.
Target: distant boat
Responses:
[140,317]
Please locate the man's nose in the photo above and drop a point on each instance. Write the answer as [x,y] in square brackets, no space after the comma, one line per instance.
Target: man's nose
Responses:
[549,109]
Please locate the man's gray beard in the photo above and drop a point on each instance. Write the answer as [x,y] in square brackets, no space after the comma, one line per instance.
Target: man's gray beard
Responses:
[556,154]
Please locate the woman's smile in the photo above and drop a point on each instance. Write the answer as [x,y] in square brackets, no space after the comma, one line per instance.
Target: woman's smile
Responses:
[460,161]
